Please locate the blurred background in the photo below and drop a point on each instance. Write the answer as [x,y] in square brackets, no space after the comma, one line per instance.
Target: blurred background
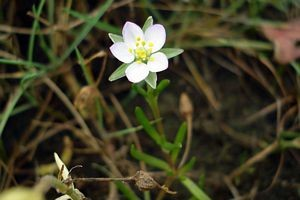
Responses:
[240,69]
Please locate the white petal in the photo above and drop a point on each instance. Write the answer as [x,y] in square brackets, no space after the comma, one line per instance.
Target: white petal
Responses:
[157,62]
[64,197]
[59,163]
[131,32]
[121,51]
[156,34]
[136,72]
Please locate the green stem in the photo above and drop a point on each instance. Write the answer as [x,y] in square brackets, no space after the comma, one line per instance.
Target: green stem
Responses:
[153,104]
[48,181]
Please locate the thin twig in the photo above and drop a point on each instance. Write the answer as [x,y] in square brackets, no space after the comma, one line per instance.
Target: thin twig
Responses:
[256,158]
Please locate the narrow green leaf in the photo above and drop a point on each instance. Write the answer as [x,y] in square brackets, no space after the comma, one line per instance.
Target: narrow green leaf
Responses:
[139,90]
[148,23]
[152,79]
[126,191]
[150,160]
[296,67]
[161,86]
[126,131]
[187,167]
[34,28]
[25,63]
[115,38]
[87,75]
[30,77]
[104,26]
[118,73]
[179,140]
[85,30]
[194,189]
[143,120]
[10,106]
[168,146]
[171,52]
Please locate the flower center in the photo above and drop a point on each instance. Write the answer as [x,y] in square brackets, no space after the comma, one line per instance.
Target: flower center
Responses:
[142,51]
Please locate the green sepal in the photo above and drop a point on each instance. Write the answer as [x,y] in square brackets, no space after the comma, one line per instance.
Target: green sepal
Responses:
[119,72]
[151,79]
[171,52]
[115,38]
[148,23]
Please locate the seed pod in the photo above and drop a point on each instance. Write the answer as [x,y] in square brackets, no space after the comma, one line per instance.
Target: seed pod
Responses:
[85,101]
[185,105]
[144,181]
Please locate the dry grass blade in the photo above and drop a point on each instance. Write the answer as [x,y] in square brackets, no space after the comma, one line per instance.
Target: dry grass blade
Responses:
[202,85]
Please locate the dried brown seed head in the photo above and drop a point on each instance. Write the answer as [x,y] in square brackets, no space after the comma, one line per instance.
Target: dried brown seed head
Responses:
[185,105]
[144,181]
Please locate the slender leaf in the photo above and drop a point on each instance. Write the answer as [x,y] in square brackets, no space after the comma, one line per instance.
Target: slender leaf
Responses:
[126,191]
[162,86]
[143,120]
[194,189]
[85,30]
[87,75]
[187,167]
[21,62]
[179,140]
[139,90]
[30,77]
[10,106]
[100,24]
[150,160]
[118,73]
[296,67]
[34,28]
[171,52]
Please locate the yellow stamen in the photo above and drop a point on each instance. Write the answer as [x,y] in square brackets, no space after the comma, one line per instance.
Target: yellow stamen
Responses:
[150,44]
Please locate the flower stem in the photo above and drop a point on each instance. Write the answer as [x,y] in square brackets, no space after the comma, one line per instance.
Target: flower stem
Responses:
[48,181]
[153,104]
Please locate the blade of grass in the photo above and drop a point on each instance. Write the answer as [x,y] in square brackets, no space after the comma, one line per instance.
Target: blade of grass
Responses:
[128,193]
[10,106]
[34,30]
[194,189]
[150,160]
[85,30]
[129,130]
[100,25]
[21,62]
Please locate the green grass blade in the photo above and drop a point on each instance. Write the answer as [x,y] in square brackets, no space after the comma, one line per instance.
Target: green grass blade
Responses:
[197,192]
[150,160]
[100,25]
[126,191]
[34,30]
[179,140]
[10,107]
[143,120]
[21,62]
[87,75]
[85,30]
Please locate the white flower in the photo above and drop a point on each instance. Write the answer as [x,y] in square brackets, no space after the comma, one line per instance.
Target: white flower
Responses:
[140,50]
[64,174]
